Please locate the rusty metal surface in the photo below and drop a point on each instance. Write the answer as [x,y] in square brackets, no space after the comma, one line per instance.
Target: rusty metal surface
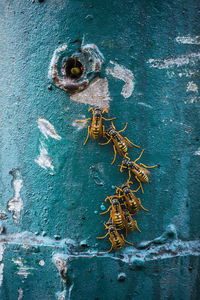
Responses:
[141,59]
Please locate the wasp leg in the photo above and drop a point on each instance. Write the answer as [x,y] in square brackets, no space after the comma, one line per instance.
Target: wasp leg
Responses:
[91,108]
[106,211]
[114,155]
[123,128]
[87,135]
[141,205]
[139,156]
[148,167]
[113,125]
[126,240]
[118,189]
[131,142]
[129,172]
[105,110]
[111,246]
[121,167]
[136,226]
[135,191]
[102,237]
[140,184]
[81,121]
[103,144]
[109,119]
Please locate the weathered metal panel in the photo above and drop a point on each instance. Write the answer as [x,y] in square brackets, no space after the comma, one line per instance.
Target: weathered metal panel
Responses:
[53,189]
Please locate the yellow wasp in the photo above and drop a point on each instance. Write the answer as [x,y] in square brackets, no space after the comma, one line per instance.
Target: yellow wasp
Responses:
[132,202]
[119,142]
[96,130]
[130,224]
[139,170]
[117,240]
[116,213]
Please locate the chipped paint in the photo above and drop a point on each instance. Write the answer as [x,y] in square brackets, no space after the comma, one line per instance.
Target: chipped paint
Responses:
[47,129]
[124,74]
[21,294]
[55,58]
[15,204]
[192,87]
[23,270]
[96,94]
[61,265]
[145,105]
[178,61]
[43,160]
[191,40]
[2,247]
[41,262]
[197,152]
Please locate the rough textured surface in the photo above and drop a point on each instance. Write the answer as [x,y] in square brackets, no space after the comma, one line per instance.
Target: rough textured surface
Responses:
[48,246]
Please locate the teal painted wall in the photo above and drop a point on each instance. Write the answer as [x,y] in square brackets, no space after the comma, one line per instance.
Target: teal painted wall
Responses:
[50,216]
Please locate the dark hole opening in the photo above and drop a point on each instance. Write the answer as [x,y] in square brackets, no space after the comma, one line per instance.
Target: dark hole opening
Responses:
[73,68]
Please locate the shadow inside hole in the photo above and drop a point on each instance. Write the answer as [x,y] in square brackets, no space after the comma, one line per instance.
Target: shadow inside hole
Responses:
[72,68]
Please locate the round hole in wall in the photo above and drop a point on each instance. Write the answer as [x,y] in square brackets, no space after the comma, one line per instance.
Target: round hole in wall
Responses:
[73,68]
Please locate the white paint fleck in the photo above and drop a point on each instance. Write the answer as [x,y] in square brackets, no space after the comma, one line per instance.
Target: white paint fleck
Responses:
[197,152]
[41,262]
[120,72]
[43,160]
[21,294]
[22,269]
[15,204]
[178,61]
[47,129]
[145,105]
[55,58]
[191,40]
[81,125]
[96,94]
[192,87]
[1,264]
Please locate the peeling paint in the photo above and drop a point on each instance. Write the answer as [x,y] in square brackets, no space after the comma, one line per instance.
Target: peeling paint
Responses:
[41,262]
[120,72]
[178,61]
[15,204]
[47,129]
[193,40]
[192,87]
[96,94]
[2,247]
[23,270]
[21,294]
[43,160]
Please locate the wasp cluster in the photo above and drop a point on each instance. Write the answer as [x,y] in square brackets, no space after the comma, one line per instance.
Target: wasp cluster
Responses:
[124,205]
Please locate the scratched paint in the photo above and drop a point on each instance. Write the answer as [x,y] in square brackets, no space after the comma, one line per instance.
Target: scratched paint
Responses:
[179,61]
[21,294]
[15,204]
[124,74]
[191,40]
[23,269]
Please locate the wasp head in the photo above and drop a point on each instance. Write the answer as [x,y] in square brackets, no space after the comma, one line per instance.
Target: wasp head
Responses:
[97,112]
[125,162]
[115,202]
[111,228]
[111,131]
